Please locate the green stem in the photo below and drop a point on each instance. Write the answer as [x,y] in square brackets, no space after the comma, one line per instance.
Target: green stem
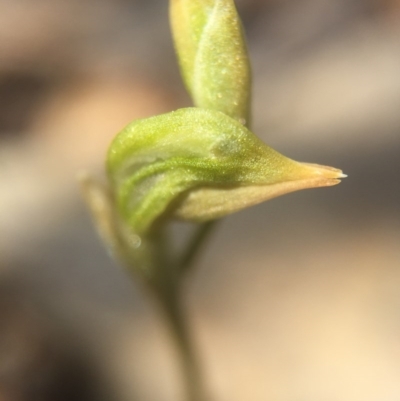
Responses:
[172,306]
[195,245]
[166,284]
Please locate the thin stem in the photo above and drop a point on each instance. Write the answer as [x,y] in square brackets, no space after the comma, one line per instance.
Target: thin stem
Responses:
[172,306]
[195,245]
[166,284]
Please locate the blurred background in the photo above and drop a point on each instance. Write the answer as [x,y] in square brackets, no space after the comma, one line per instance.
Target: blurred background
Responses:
[297,299]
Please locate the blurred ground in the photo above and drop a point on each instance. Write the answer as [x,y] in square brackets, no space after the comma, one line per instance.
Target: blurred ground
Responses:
[296,299]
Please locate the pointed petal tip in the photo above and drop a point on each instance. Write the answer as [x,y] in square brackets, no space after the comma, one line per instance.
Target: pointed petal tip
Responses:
[325,171]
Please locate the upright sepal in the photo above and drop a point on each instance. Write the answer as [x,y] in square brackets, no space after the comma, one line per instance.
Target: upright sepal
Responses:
[212,54]
[198,165]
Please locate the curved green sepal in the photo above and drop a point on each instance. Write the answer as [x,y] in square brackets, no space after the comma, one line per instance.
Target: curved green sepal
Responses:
[212,54]
[199,165]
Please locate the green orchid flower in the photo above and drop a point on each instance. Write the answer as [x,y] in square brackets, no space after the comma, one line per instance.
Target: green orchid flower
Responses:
[198,165]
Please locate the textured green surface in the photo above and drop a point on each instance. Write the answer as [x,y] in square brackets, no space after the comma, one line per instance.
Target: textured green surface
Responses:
[202,163]
[153,161]
[212,54]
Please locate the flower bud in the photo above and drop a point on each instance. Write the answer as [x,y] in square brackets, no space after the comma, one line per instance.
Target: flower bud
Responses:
[212,54]
[199,165]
